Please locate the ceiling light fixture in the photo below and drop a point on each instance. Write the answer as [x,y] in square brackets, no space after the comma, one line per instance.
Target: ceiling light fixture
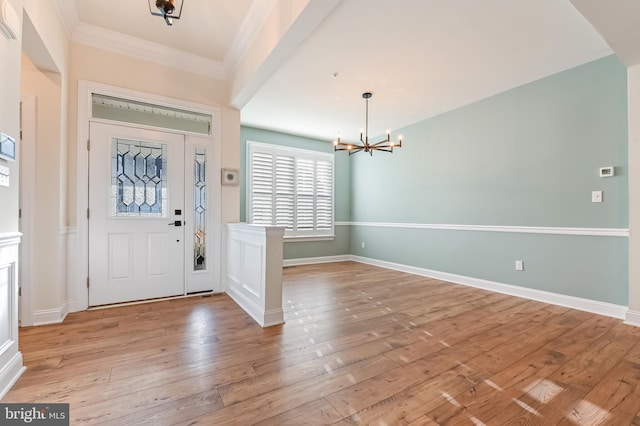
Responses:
[385,145]
[166,9]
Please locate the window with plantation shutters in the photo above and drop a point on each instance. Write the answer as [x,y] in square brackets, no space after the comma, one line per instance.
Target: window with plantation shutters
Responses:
[290,187]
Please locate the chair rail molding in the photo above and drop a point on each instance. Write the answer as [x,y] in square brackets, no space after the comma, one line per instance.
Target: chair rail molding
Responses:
[551,230]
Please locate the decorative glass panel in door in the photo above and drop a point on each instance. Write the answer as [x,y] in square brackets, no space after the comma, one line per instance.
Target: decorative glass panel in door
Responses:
[136,203]
[138,179]
[199,209]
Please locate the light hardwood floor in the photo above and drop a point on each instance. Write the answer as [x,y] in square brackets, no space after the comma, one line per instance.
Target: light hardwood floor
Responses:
[361,345]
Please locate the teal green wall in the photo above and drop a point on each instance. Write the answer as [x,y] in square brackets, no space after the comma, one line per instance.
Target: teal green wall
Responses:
[526,157]
[342,174]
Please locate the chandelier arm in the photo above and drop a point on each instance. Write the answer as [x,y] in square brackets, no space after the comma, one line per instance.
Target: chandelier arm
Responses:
[340,144]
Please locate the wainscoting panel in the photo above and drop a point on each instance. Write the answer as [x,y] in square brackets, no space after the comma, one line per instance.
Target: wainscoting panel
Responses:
[253,273]
[10,357]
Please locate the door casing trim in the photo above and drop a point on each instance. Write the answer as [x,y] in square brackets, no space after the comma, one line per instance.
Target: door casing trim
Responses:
[78,287]
[27,204]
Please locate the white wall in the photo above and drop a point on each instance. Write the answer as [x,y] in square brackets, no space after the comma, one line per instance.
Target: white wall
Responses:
[10,122]
[101,66]
[44,75]
[93,66]
[48,260]
[633,75]
[10,358]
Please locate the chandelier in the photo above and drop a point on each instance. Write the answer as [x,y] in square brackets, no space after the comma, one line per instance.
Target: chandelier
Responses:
[385,145]
[166,9]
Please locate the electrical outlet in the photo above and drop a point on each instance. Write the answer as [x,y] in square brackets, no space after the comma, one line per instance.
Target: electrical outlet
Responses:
[363,244]
[519,265]
[596,196]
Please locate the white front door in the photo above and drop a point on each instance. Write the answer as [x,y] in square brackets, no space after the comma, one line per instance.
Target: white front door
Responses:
[136,213]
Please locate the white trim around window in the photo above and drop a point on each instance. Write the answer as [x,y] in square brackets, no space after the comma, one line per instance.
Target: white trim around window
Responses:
[291,187]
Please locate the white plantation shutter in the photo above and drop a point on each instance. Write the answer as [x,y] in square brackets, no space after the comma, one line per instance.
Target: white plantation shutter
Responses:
[262,188]
[285,191]
[305,191]
[290,187]
[324,195]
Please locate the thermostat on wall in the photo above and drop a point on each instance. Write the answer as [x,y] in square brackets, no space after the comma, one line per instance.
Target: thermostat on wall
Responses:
[230,176]
[606,171]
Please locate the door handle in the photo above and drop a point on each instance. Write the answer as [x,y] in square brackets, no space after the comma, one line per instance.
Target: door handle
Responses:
[176,223]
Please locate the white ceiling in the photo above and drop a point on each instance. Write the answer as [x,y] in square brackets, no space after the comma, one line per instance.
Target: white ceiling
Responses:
[217,23]
[419,57]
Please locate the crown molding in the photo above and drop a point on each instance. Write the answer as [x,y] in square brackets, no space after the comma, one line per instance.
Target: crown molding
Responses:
[249,29]
[94,36]
[101,38]
[68,14]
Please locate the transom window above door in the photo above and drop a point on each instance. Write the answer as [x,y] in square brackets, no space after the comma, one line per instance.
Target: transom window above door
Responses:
[161,116]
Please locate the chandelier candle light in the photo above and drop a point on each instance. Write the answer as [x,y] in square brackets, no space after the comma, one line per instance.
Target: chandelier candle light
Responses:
[385,145]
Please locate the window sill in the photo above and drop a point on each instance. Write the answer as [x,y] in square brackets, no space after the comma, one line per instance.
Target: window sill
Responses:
[306,238]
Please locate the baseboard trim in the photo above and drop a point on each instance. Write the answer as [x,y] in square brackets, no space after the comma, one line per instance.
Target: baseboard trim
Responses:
[273,317]
[633,318]
[50,316]
[71,306]
[10,374]
[315,260]
[587,305]
[263,318]
[573,302]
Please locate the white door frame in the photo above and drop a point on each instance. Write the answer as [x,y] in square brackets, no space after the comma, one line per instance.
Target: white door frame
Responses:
[28,126]
[78,290]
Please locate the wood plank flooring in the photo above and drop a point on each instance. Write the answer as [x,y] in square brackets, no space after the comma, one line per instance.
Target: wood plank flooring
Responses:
[361,345]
